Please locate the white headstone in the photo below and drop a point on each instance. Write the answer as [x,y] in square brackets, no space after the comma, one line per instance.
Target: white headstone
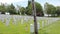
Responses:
[38,25]
[31,28]
[26,19]
[7,21]
[14,20]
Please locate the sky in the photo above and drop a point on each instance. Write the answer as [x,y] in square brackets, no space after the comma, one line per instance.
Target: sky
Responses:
[25,2]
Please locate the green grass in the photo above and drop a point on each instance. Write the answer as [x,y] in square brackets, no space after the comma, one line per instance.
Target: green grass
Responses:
[21,28]
[51,29]
[15,28]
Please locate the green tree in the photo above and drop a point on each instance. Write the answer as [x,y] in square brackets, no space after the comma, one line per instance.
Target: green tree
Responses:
[22,10]
[50,9]
[58,10]
[2,8]
[11,9]
[39,10]
[29,10]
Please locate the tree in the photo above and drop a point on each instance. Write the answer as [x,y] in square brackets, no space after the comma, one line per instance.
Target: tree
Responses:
[22,10]
[29,10]
[39,10]
[58,10]
[11,9]
[2,9]
[50,9]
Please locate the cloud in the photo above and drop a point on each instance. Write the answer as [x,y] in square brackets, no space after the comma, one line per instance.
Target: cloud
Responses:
[11,1]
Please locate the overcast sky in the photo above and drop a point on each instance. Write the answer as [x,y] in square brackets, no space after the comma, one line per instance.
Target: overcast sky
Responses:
[25,2]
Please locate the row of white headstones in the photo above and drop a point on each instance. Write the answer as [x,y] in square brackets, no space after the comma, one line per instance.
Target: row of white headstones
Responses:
[23,19]
[15,18]
[48,22]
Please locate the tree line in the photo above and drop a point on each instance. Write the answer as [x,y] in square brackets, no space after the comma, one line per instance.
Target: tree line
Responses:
[51,9]
[48,9]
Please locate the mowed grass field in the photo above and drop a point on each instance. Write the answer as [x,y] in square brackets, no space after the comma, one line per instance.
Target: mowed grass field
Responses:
[51,29]
[21,28]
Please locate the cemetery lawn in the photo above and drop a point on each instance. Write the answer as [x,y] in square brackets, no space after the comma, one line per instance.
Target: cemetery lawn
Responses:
[51,29]
[21,28]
